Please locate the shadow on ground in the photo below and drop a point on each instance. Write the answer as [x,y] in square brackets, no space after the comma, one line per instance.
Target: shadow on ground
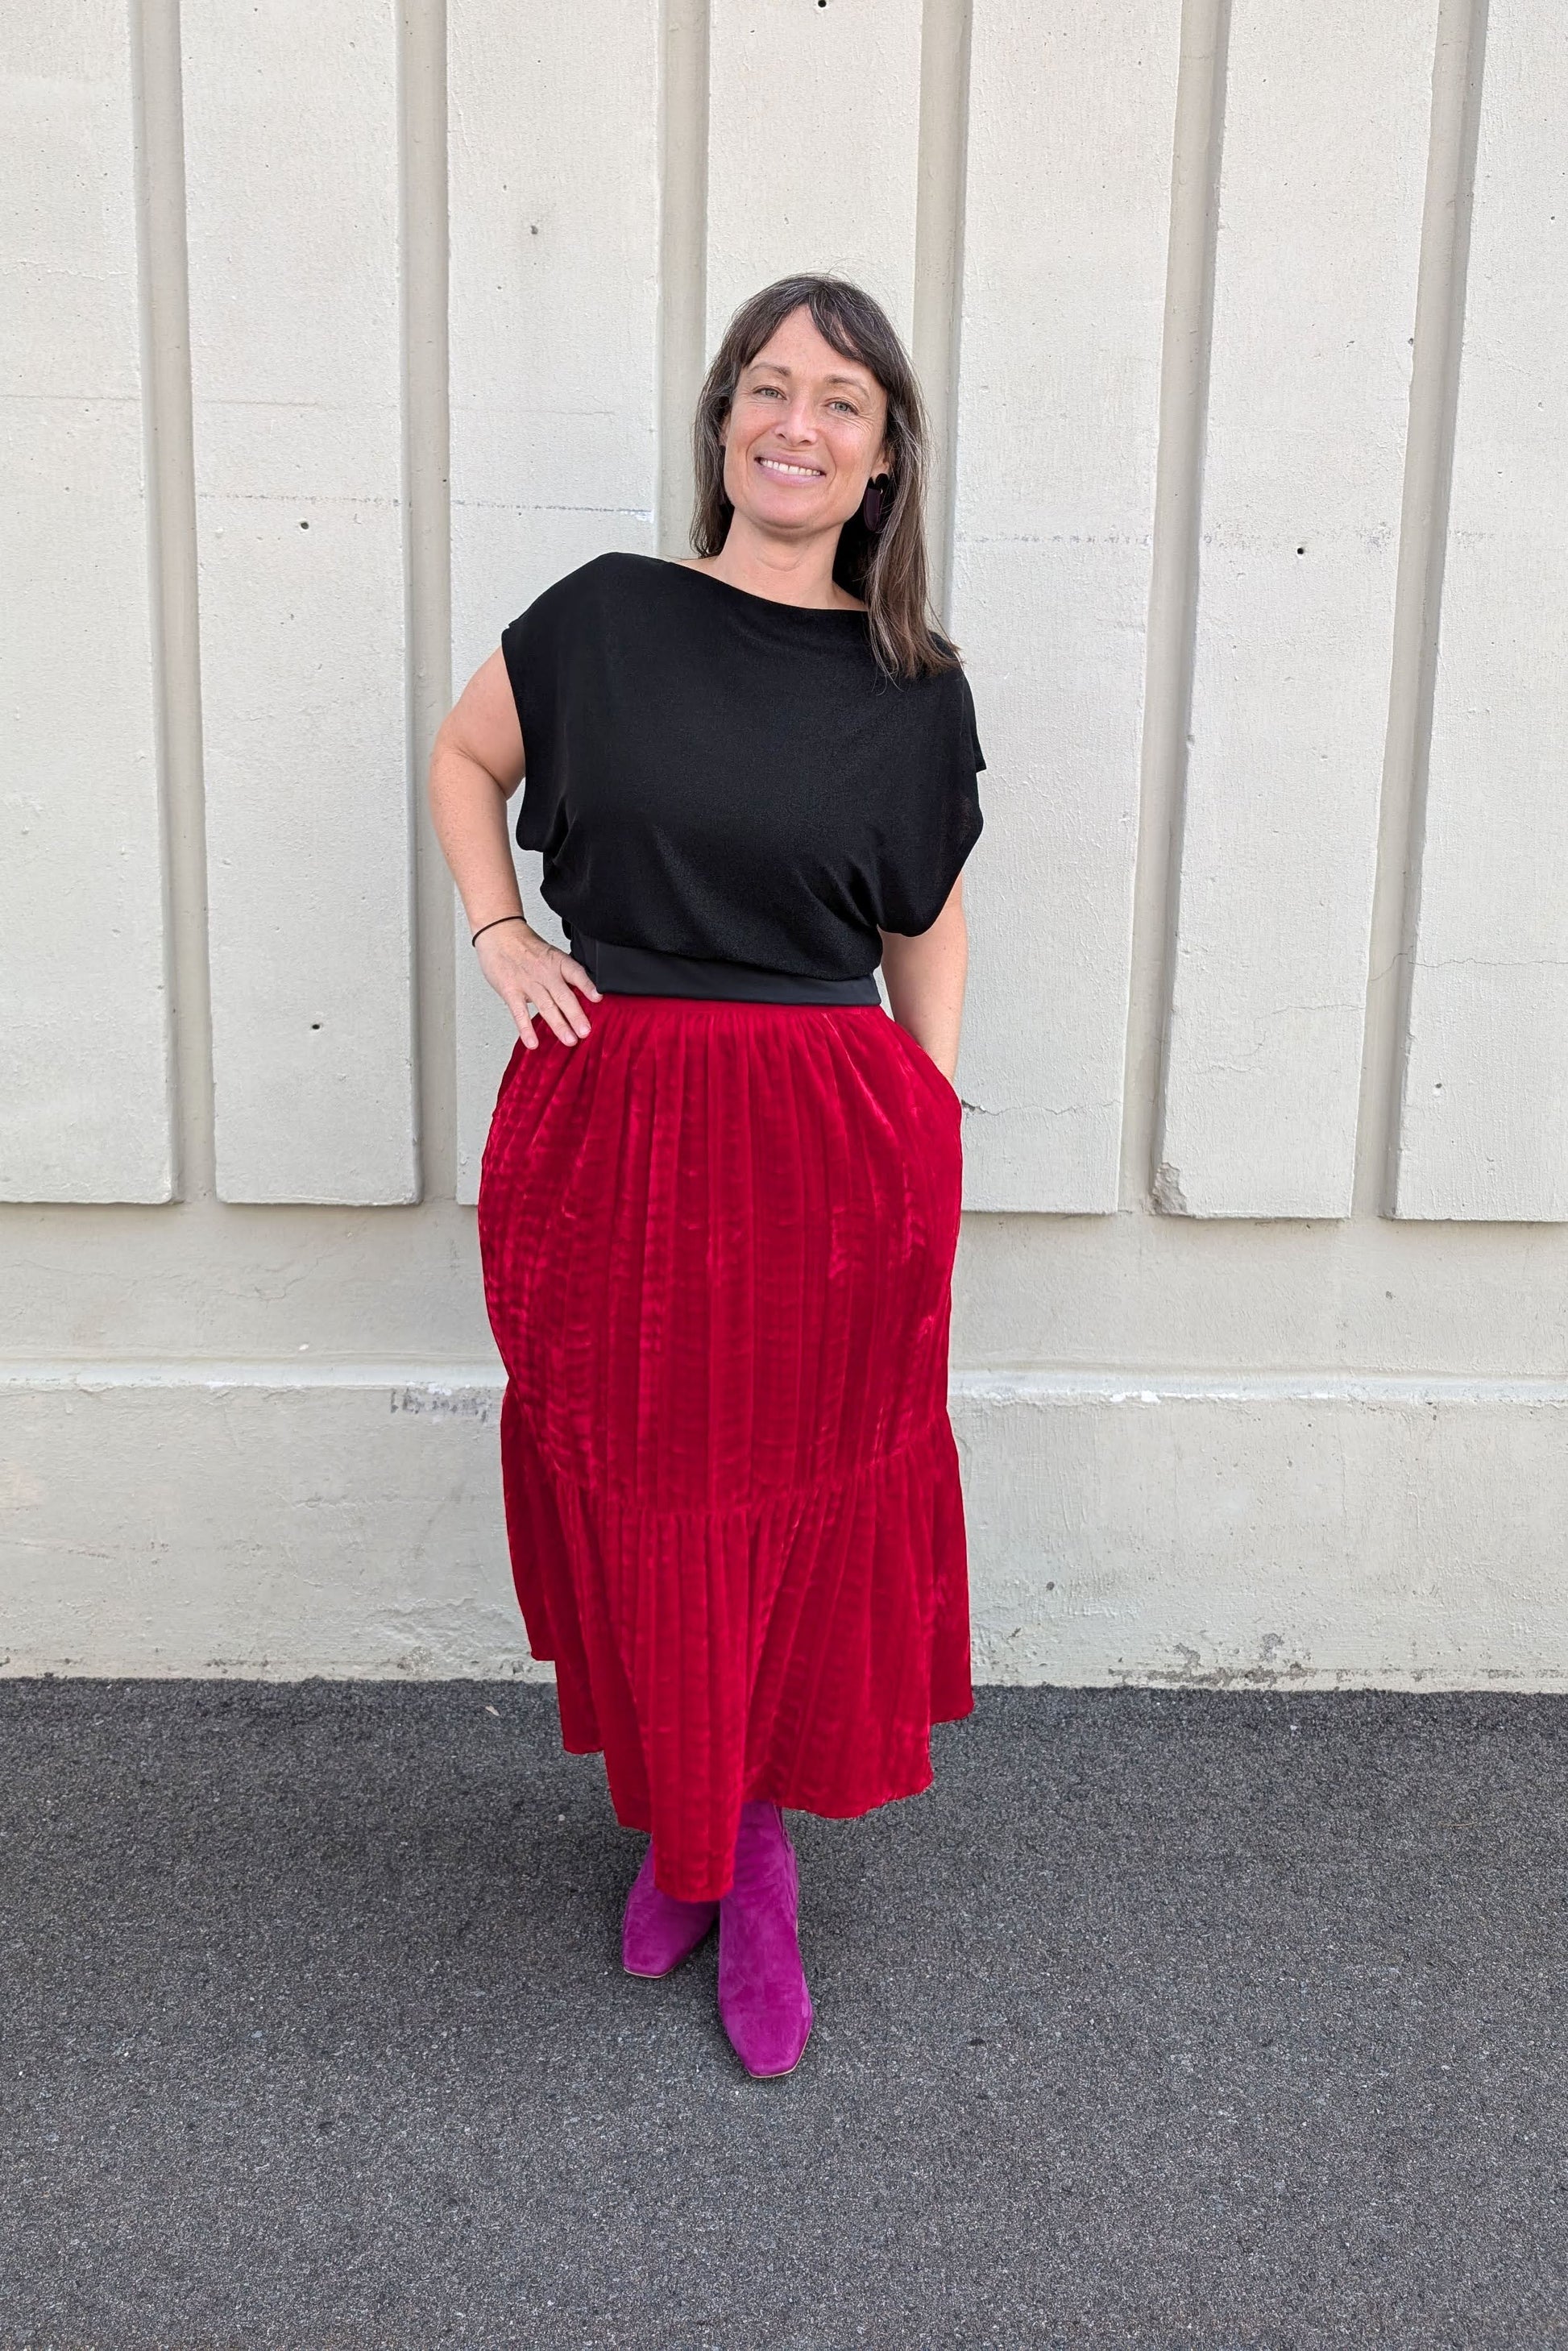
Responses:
[1233,2021]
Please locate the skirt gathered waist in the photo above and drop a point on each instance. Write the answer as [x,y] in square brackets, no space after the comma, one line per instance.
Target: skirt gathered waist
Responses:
[717,1239]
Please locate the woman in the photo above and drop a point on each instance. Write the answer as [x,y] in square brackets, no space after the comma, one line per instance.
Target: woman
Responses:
[718,1217]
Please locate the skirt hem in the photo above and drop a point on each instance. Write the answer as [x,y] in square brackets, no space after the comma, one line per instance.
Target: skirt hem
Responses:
[769,1788]
[597,1686]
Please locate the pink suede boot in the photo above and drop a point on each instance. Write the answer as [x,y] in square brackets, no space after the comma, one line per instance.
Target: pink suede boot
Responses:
[658,1931]
[763,1998]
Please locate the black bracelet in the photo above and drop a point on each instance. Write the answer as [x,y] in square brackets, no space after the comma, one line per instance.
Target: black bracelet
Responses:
[490,927]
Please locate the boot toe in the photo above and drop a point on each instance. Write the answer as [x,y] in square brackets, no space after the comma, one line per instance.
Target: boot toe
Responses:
[771,2041]
[658,1931]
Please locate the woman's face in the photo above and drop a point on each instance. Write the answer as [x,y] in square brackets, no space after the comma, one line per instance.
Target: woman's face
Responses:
[805,434]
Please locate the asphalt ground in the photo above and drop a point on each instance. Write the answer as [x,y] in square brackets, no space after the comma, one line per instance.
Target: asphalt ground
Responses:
[1165,2019]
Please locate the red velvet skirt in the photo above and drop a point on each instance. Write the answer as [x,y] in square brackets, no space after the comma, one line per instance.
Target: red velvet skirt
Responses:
[717,1242]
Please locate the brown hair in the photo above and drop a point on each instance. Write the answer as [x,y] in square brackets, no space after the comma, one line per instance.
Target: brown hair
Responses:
[887,571]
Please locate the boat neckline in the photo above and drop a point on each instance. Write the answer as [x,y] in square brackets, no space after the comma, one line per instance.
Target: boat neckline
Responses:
[770,604]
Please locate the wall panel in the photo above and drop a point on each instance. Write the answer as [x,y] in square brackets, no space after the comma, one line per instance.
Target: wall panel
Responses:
[554,192]
[85,1110]
[292,135]
[1326,119]
[1071,118]
[1280,1441]
[1485,1115]
[813,148]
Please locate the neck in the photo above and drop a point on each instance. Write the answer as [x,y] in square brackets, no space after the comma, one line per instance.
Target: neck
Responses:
[788,571]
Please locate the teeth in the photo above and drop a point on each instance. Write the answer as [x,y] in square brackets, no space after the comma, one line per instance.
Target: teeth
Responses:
[779,465]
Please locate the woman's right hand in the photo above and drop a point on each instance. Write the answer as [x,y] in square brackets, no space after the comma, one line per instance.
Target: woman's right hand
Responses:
[525,970]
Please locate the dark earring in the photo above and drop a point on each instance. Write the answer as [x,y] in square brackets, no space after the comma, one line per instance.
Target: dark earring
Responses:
[877,502]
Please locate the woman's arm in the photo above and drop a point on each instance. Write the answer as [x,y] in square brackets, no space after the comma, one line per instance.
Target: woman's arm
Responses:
[475,768]
[925,977]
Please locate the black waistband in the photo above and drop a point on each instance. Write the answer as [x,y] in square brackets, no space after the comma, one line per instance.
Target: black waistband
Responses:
[649,971]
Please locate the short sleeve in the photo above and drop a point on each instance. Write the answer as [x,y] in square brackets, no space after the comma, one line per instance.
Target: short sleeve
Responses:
[534,648]
[938,812]
[974,730]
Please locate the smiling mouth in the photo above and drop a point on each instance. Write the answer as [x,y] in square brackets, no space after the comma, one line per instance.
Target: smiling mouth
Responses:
[789,472]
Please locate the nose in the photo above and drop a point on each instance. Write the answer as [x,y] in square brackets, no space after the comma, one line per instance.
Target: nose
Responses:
[796,424]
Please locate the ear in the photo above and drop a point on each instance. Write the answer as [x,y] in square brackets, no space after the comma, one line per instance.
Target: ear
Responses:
[885,454]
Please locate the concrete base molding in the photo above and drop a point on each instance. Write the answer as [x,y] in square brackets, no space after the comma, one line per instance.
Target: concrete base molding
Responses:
[255,1520]
[276,1522]
[1328,1532]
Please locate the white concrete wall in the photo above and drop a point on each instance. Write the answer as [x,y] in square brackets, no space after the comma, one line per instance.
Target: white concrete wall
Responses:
[345,327]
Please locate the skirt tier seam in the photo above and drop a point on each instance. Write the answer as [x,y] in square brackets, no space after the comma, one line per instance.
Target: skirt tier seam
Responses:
[608,1489]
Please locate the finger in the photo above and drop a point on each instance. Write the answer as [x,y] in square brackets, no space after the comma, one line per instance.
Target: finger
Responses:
[562,1000]
[562,1022]
[525,1026]
[571,969]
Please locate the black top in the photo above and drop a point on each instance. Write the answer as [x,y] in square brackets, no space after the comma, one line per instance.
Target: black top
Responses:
[715,775]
